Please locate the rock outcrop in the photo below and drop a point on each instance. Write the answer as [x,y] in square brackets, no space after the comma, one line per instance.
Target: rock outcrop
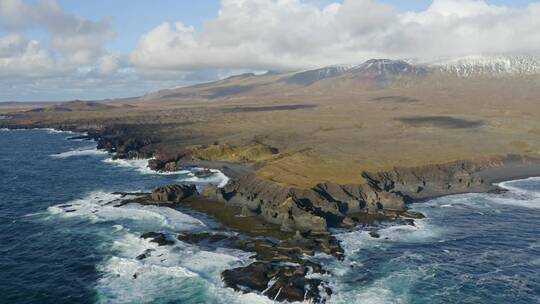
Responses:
[280,270]
[315,210]
[173,193]
[443,179]
[119,141]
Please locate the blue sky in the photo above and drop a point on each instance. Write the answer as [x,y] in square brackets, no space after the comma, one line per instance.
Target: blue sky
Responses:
[94,49]
[130,18]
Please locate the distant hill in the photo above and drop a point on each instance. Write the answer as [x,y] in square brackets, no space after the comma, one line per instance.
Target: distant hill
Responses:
[75,105]
[347,79]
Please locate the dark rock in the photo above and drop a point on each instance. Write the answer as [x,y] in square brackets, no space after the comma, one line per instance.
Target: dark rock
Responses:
[204,173]
[144,255]
[413,215]
[254,277]
[158,238]
[173,193]
[498,190]
[282,283]
[79,137]
[409,222]
[198,238]
[374,234]
[317,209]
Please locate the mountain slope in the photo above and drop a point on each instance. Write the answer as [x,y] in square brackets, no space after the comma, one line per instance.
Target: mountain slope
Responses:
[494,66]
[373,74]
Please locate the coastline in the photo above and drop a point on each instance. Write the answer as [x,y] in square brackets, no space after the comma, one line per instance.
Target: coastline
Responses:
[489,176]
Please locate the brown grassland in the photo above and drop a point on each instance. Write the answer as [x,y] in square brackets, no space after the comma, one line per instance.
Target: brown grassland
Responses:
[330,130]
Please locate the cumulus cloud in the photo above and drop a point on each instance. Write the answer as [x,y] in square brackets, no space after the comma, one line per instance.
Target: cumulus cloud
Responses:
[79,40]
[70,53]
[292,34]
[19,56]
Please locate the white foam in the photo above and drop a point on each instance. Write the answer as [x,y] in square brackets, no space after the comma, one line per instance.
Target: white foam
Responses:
[391,288]
[128,280]
[376,293]
[99,207]
[88,151]
[422,232]
[54,131]
[217,178]
[523,203]
[9,129]
[140,165]
[509,185]
[517,196]
[166,269]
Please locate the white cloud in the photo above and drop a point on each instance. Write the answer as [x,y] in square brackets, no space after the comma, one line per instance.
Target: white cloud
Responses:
[19,56]
[70,60]
[79,40]
[292,34]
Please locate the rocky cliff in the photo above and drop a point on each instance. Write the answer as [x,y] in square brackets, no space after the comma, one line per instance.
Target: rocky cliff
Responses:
[428,181]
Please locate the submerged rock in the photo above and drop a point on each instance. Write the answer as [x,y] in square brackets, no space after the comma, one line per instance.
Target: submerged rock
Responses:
[413,214]
[374,234]
[144,255]
[158,238]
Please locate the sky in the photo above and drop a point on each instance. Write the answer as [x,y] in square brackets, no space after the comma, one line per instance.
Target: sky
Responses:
[52,50]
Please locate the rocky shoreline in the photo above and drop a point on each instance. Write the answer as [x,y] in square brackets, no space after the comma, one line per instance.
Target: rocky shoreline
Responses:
[296,221]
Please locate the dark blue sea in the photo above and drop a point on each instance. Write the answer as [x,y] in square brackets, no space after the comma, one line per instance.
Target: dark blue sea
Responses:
[62,241]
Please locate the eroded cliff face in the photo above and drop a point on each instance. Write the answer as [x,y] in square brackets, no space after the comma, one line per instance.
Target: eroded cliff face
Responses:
[315,210]
[443,179]
[386,193]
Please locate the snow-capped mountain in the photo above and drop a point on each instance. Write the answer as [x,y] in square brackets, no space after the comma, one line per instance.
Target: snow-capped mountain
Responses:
[471,66]
[387,67]
[379,69]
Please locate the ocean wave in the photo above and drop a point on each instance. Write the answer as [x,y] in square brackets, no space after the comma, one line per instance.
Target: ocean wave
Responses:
[376,293]
[521,193]
[165,270]
[217,178]
[392,285]
[140,165]
[99,206]
[10,129]
[48,130]
[55,131]
[124,278]
[423,232]
[88,151]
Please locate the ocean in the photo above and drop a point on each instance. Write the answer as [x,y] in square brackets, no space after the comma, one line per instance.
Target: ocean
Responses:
[63,242]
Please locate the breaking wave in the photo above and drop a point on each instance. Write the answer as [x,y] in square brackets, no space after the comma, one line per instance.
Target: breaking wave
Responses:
[166,269]
[88,151]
